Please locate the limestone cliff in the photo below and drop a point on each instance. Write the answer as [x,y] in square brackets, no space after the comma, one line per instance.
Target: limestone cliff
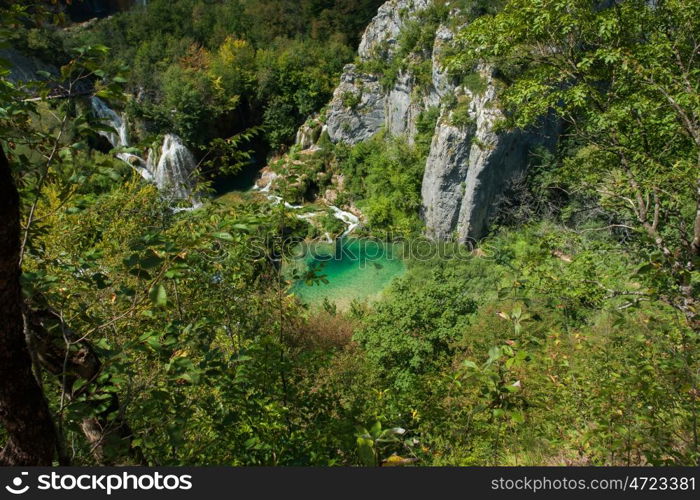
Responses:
[470,162]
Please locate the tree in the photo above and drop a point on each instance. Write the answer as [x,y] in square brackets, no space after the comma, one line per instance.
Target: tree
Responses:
[626,80]
[23,409]
[413,332]
[35,158]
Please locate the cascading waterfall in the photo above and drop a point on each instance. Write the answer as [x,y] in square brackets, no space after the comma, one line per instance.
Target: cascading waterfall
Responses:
[350,220]
[171,173]
[174,168]
[120,137]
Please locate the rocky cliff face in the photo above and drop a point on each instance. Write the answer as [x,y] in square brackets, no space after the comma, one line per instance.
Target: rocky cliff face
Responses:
[361,106]
[381,35]
[469,163]
[356,112]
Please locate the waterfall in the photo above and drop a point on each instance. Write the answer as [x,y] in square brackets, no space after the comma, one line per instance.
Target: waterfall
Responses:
[172,173]
[139,164]
[175,166]
[350,220]
[266,187]
[120,136]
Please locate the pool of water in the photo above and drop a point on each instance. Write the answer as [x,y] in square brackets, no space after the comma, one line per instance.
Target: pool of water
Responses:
[356,269]
[240,181]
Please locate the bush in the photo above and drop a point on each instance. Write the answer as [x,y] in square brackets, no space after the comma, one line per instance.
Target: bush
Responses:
[412,332]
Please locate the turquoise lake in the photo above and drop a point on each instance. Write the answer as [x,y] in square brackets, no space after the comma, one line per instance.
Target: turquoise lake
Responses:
[356,269]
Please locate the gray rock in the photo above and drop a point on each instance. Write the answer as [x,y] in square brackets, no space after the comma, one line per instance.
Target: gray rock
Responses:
[364,115]
[482,169]
[442,83]
[446,168]
[375,107]
[381,35]
[401,111]
[25,68]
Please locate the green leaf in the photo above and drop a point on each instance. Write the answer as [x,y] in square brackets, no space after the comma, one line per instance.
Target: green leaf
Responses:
[223,236]
[518,417]
[158,295]
[365,449]
[469,364]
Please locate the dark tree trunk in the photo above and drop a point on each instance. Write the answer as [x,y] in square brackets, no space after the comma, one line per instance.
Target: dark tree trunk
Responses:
[23,409]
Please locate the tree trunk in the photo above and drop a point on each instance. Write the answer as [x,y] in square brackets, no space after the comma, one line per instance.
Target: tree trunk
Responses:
[71,357]
[24,411]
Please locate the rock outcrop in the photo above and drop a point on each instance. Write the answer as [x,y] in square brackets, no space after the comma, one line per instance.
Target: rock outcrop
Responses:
[443,185]
[470,165]
[401,110]
[360,106]
[381,35]
[470,161]
[356,112]
[25,68]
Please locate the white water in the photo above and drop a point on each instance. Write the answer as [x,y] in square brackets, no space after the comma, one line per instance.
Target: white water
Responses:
[350,220]
[175,165]
[172,173]
[138,164]
[266,187]
[120,137]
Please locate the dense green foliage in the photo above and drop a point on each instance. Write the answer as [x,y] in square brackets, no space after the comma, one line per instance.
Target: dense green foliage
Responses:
[211,69]
[551,367]
[568,336]
[383,178]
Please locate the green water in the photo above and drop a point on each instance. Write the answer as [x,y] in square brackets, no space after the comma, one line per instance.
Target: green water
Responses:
[356,269]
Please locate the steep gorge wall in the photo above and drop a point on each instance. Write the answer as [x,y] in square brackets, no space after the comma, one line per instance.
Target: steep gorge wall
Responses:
[373,106]
[469,163]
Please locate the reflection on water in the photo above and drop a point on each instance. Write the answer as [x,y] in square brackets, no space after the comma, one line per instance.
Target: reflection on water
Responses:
[356,269]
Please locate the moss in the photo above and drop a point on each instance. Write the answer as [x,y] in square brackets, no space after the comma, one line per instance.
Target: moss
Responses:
[351,99]
[460,116]
[475,82]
